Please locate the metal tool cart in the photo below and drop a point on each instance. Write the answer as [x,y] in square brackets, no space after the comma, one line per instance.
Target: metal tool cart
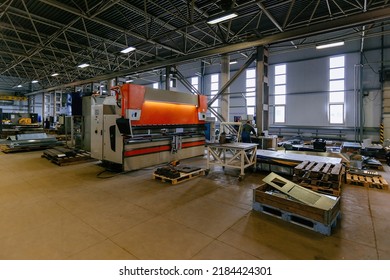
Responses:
[234,155]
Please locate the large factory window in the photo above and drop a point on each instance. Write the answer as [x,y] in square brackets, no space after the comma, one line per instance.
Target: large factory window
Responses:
[250,94]
[195,82]
[214,90]
[280,93]
[336,89]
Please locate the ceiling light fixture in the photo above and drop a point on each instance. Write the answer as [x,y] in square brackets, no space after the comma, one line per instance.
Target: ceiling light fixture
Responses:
[19,86]
[330,45]
[127,50]
[54,74]
[233,62]
[129,81]
[83,65]
[34,81]
[221,17]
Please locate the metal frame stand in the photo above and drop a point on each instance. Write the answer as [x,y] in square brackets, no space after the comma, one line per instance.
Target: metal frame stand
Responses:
[233,155]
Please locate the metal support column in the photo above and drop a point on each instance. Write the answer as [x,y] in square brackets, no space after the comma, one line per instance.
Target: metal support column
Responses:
[225,76]
[202,85]
[361,97]
[167,77]
[262,90]
[111,83]
[55,95]
[382,125]
[1,121]
[43,108]
[237,74]
[29,104]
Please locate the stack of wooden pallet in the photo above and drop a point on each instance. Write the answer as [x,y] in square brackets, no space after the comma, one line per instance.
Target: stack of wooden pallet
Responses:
[320,176]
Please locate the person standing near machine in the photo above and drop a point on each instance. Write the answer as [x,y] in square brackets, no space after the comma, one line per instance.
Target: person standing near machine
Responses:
[246,132]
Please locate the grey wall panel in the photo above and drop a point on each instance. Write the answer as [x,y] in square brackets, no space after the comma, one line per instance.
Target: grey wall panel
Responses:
[307,109]
[307,76]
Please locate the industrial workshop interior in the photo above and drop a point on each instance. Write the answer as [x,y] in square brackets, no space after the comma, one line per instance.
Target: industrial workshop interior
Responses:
[194,130]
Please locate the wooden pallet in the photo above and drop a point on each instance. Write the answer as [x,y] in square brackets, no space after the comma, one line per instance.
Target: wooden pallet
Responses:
[182,178]
[319,170]
[3,147]
[319,176]
[299,220]
[375,182]
[63,158]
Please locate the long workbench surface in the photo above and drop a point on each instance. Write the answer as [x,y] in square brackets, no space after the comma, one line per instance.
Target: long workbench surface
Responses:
[292,157]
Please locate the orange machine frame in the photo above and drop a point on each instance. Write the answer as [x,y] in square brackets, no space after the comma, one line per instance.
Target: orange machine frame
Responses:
[154,112]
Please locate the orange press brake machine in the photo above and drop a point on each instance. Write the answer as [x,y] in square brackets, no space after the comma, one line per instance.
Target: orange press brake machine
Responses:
[141,126]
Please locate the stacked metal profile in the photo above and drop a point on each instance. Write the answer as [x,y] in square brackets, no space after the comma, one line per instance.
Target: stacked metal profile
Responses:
[32,141]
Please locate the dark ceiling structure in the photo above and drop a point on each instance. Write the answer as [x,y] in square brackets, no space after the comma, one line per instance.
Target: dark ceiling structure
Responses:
[41,37]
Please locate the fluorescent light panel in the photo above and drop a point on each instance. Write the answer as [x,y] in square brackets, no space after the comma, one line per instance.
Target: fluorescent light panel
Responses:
[330,45]
[127,50]
[54,74]
[34,82]
[83,65]
[233,62]
[129,81]
[221,18]
[19,86]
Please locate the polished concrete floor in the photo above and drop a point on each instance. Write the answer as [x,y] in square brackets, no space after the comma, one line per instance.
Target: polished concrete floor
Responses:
[71,212]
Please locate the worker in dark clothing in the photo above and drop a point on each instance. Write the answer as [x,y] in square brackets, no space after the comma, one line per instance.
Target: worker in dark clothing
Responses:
[47,123]
[246,132]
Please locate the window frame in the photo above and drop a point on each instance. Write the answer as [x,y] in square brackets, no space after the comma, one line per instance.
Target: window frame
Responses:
[195,82]
[250,91]
[214,88]
[280,90]
[336,93]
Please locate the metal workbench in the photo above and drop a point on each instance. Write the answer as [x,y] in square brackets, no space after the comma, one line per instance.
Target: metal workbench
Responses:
[293,158]
[284,163]
[233,155]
